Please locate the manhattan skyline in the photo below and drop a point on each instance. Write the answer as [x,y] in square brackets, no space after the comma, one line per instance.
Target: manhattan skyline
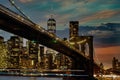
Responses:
[84,11]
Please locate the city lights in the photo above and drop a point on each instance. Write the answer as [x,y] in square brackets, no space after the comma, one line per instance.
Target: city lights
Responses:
[39,58]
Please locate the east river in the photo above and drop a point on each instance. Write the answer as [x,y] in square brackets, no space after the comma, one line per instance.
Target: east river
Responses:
[45,78]
[27,78]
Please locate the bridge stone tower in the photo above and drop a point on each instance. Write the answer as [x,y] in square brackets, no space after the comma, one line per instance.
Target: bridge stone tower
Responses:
[80,42]
[73,33]
[51,25]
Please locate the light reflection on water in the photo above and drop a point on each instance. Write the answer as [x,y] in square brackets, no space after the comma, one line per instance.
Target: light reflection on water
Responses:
[27,78]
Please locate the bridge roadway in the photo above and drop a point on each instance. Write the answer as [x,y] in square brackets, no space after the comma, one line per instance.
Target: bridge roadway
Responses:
[19,25]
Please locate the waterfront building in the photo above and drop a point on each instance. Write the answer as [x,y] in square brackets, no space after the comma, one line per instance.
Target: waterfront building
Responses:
[24,59]
[40,63]
[33,53]
[58,60]
[3,54]
[62,61]
[48,62]
[15,50]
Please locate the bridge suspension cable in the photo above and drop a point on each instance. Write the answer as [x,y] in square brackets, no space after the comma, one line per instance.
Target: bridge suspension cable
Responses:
[97,59]
[18,8]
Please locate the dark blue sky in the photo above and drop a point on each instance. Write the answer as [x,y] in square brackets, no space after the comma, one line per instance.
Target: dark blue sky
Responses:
[87,12]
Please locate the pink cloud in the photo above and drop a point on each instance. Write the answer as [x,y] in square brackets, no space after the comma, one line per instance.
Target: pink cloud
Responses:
[25,1]
[100,15]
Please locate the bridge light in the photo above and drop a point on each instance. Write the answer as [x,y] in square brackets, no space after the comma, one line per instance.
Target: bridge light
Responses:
[34,41]
[54,41]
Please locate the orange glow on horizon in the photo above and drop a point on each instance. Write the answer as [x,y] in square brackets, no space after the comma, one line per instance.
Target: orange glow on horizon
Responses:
[106,54]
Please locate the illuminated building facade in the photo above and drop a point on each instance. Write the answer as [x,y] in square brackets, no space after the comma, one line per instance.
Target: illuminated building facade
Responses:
[62,61]
[15,49]
[33,53]
[3,54]
[24,59]
[48,62]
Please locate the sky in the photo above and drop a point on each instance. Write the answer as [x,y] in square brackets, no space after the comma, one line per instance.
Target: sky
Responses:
[90,14]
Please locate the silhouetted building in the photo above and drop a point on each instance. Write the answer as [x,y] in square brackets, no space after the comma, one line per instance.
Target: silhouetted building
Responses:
[115,64]
[101,68]
[41,56]
[41,53]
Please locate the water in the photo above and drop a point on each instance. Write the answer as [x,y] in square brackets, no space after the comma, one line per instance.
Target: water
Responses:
[46,78]
[27,78]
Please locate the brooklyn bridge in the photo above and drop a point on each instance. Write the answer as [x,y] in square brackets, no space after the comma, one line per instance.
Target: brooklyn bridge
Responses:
[21,26]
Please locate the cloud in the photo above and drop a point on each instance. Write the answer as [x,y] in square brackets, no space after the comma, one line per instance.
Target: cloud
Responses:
[25,1]
[89,1]
[113,2]
[100,33]
[118,29]
[100,15]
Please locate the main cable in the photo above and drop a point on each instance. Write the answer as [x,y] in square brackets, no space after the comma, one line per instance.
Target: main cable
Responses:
[18,8]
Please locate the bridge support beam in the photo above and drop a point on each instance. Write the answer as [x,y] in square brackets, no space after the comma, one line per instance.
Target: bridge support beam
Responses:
[91,61]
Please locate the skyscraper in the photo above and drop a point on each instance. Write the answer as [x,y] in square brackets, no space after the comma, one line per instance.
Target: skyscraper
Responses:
[14,47]
[73,29]
[48,62]
[51,25]
[33,53]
